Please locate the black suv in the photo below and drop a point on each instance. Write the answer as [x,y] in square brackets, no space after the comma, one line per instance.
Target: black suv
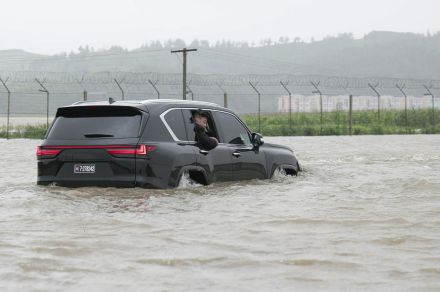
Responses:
[151,144]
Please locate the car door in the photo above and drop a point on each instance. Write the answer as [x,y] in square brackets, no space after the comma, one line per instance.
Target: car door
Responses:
[176,154]
[247,163]
[217,162]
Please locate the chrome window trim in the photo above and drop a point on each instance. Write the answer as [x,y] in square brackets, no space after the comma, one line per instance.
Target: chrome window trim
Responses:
[162,117]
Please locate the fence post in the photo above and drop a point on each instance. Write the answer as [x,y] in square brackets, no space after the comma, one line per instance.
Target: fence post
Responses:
[155,87]
[225,95]
[80,82]
[254,86]
[190,91]
[120,87]
[320,100]
[378,98]
[9,105]
[290,102]
[47,99]
[433,106]
[406,105]
[350,115]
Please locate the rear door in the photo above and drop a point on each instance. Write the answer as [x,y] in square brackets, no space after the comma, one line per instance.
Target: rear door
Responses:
[217,162]
[97,145]
[246,163]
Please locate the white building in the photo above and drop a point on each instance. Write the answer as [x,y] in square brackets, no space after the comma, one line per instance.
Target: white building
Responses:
[310,103]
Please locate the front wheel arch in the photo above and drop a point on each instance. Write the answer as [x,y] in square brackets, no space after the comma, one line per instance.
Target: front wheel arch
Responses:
[287,168]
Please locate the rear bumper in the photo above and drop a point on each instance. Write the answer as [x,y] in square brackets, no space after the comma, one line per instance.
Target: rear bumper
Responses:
[143,182]
[110,171]
[47,180]
[148,176]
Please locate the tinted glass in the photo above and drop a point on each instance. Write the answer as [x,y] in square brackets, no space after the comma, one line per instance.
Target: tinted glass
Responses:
[95,127]
[233,131]
[187,116]
[95,122]
[174,119]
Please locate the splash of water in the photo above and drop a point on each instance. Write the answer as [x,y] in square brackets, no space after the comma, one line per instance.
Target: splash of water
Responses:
[187,182]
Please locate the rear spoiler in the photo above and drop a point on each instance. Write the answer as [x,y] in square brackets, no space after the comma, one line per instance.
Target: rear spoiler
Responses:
[97,111]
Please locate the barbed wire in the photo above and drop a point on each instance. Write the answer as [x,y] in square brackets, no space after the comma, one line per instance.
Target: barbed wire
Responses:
[174,79]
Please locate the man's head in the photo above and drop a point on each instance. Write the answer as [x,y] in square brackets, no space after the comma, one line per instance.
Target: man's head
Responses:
[200,117]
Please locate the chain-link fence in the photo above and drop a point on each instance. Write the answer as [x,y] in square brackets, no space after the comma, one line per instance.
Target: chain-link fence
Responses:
[271,104]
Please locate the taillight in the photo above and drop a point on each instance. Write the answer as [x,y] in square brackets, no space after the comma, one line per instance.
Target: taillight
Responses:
[140,150]
[116,150]
[47,153]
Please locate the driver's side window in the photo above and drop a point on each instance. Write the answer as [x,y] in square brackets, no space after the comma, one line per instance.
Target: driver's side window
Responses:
[232,129]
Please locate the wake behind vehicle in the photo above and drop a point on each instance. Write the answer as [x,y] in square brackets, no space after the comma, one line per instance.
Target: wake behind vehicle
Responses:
[151,144]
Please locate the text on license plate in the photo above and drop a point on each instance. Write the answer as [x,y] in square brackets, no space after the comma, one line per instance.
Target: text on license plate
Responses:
[84,168]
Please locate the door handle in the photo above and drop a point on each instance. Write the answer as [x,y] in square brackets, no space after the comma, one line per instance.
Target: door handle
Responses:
[204,152]
[185,143]
[236,154]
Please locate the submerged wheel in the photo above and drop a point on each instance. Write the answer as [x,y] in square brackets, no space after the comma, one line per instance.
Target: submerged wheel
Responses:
[285,171]
[191,178]
[278,172]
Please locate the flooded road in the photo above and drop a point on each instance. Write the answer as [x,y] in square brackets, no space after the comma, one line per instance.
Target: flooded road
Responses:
[363,216]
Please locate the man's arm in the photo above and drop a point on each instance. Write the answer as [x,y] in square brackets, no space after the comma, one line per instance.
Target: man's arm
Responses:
[203,139]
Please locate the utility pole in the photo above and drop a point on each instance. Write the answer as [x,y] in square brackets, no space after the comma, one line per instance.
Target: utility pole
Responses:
[290,102]
[320,98]
[184,52]
[254,86]
[47,99]
[9,105]
[378,98]
[433,108]
[120,87]
[155,88]
[406,104]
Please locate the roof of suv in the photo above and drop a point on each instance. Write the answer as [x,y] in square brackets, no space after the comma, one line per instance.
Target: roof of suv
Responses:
[152,105]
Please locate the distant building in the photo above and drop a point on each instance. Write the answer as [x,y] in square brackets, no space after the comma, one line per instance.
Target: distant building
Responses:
[310,103]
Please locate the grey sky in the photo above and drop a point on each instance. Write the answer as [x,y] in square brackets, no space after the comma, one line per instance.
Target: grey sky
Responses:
[52,26]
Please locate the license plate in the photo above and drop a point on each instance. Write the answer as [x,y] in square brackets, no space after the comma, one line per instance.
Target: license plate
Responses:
[84,168]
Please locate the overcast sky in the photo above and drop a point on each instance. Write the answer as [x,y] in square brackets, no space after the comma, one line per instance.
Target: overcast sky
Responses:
[53,26]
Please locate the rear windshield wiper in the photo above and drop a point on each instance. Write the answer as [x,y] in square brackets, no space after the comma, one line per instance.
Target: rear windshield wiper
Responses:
[97,135]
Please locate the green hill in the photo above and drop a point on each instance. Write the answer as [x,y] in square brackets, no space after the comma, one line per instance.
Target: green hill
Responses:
[381,54]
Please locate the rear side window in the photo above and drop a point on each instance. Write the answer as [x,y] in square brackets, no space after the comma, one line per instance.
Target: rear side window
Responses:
[96,122]
[174,119]
[189,124]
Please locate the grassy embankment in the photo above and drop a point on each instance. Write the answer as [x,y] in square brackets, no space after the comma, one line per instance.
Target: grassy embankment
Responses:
[308,124]
[24,131]
[336,123]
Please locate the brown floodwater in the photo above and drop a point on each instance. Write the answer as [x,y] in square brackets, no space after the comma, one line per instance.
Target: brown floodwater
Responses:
[363,216]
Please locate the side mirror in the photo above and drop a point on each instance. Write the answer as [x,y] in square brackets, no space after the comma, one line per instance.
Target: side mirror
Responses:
[257,140]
